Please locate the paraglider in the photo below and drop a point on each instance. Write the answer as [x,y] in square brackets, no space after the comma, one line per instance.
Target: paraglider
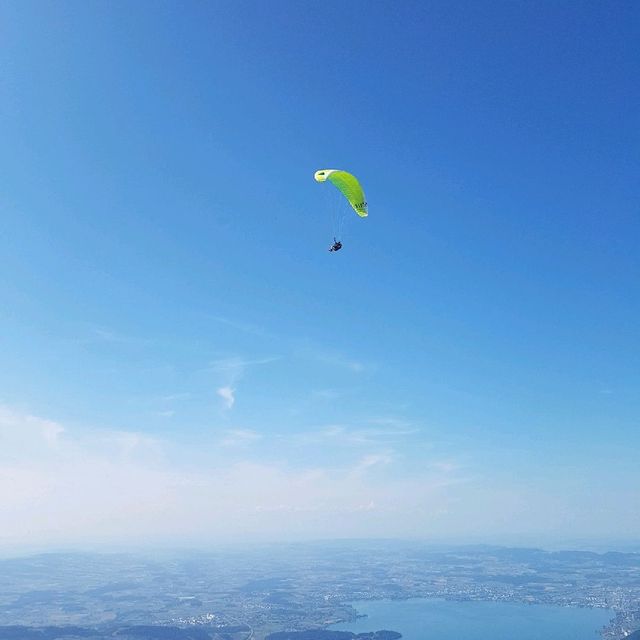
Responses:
[351,189]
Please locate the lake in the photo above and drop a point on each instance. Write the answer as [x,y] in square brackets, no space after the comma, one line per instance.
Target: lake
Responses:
[421,619]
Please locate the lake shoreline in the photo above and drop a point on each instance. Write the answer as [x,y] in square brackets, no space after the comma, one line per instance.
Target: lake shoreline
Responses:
[448,617]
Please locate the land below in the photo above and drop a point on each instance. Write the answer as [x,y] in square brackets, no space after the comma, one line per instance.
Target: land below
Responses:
[294,591]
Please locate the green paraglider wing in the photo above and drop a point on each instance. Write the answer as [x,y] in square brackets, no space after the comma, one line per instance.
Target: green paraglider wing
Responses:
[348,185]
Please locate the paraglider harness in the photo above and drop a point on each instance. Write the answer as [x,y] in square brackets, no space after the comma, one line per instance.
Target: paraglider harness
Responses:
[336,246]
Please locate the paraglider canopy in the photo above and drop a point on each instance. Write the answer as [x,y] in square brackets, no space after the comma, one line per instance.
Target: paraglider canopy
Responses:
[348,185]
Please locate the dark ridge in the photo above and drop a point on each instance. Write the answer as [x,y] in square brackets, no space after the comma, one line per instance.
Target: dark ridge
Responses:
[45,633]
[154,632]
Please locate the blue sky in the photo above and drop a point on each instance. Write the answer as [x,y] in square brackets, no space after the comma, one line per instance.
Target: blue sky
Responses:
[174,330]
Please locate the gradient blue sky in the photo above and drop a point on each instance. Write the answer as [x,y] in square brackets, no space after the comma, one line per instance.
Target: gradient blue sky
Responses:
[182,360]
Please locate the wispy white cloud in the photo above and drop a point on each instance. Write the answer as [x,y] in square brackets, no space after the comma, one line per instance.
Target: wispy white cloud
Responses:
[338,360]
[165,405]
[62,484]
[391,423]
[107,335]
[21,429]
[446,466]
[369,433]
[101,334]
[228,395]
[43,439]
[326,394]
[235,366]
[230,370]
[172,397]
[126,445]
[372,460]
[244,327]
[334,358]
[239,437]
